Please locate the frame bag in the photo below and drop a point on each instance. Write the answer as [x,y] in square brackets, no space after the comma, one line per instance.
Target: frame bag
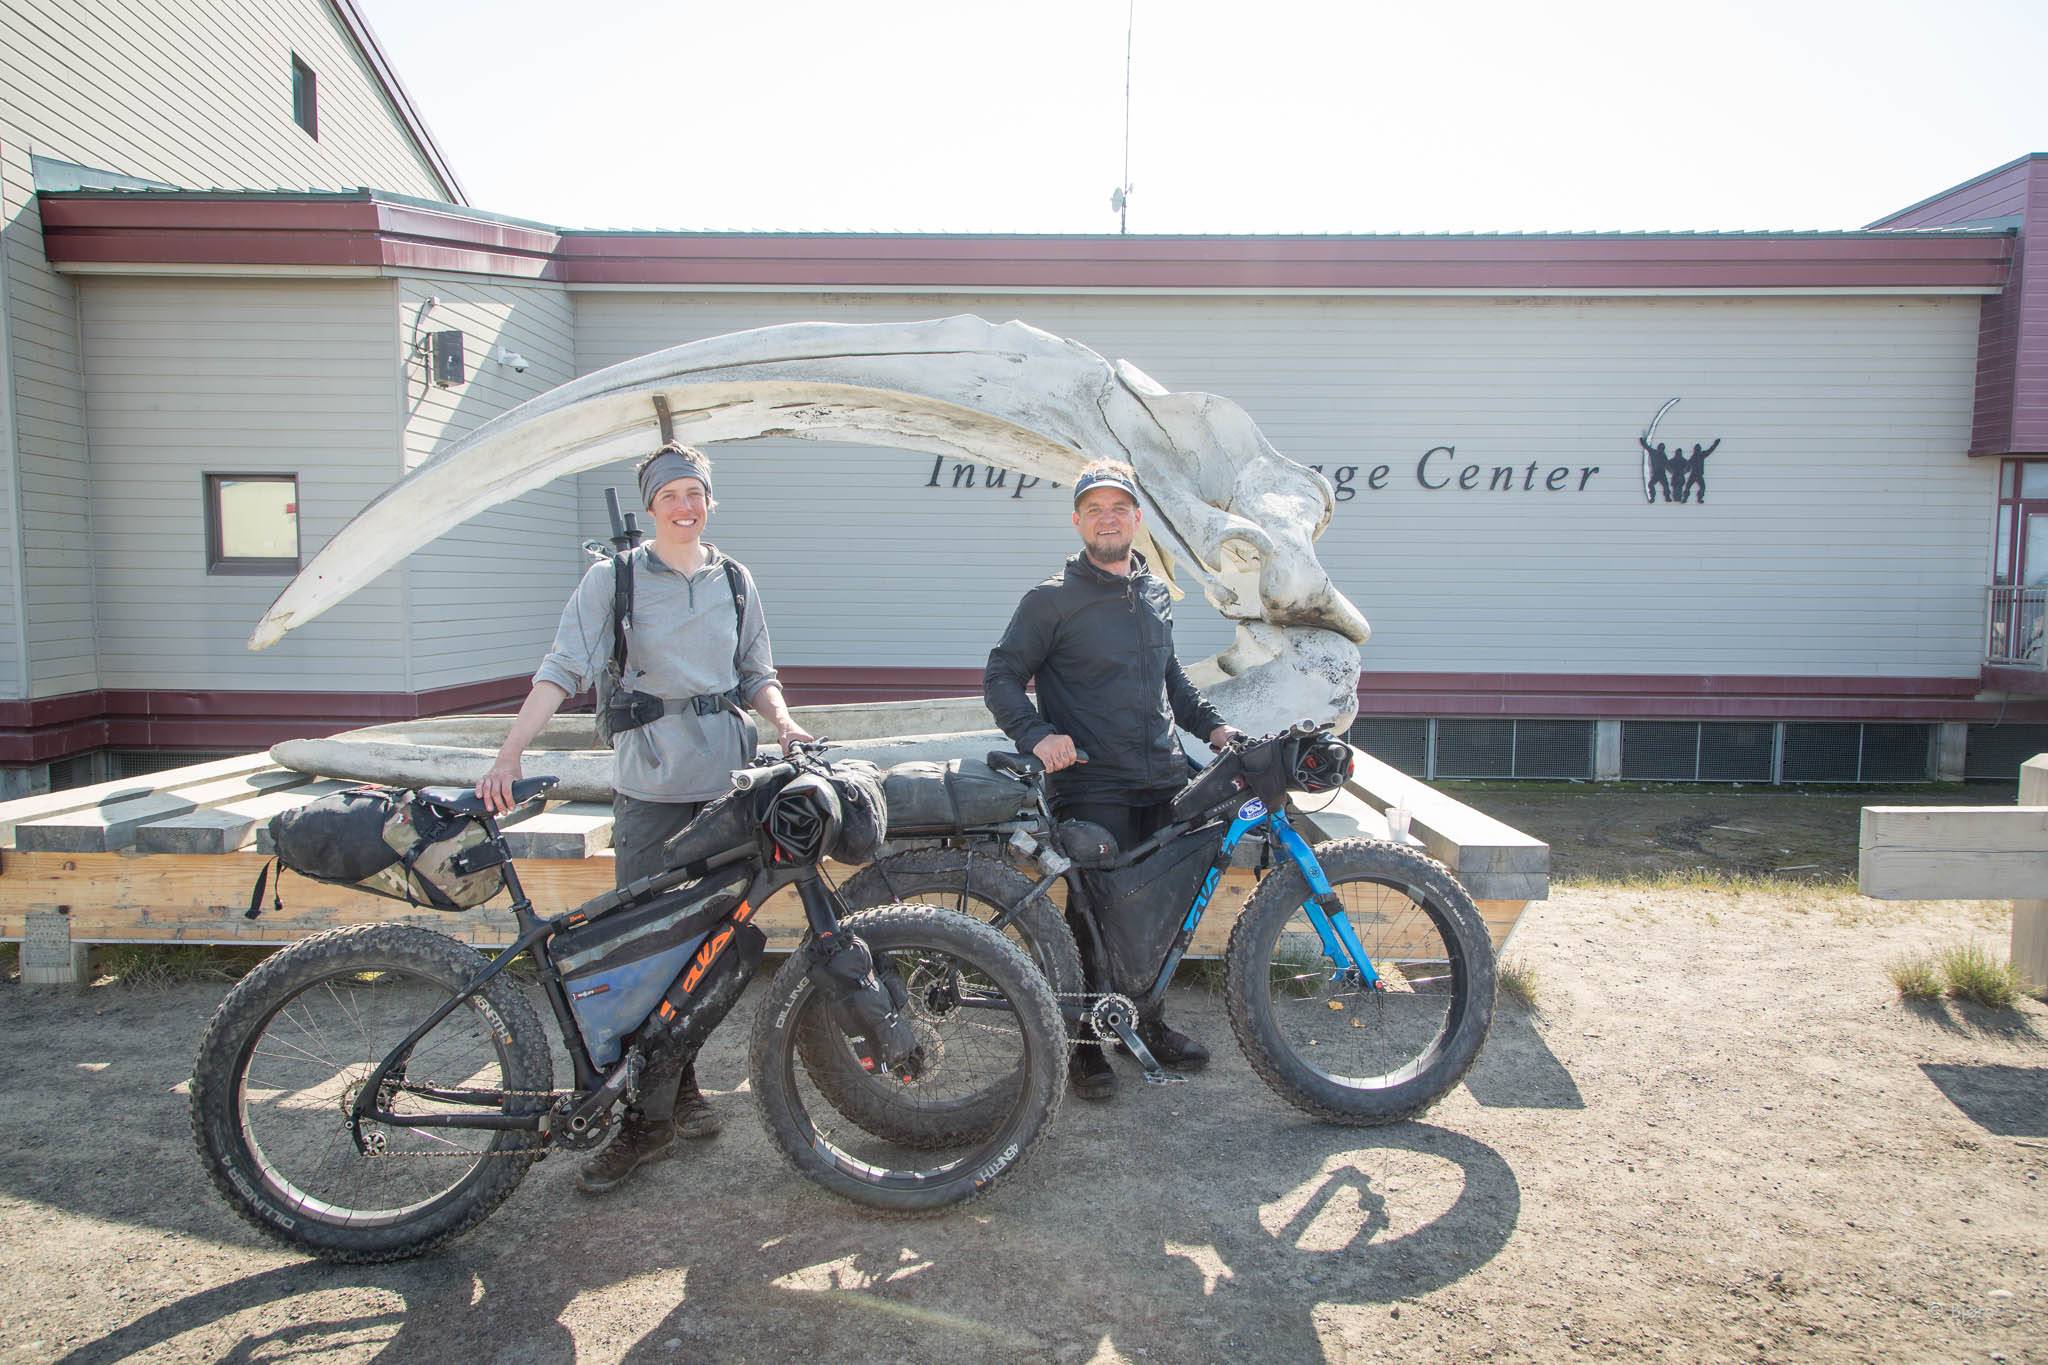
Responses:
[1141,907]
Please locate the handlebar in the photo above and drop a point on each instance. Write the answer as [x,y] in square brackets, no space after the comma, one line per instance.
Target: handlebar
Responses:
[802,754]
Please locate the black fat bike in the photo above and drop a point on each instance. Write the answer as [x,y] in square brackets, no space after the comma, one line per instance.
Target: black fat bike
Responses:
[371,1092]
[1359,977]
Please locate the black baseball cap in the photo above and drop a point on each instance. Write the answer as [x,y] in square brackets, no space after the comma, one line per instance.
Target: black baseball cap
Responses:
[1104,478]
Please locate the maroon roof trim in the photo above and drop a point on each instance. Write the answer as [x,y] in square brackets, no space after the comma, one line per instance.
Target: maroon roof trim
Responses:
[54,727]
[401,99]
[367,229]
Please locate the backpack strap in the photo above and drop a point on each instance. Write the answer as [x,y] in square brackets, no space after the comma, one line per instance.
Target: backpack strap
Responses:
[736,579]
[622,607]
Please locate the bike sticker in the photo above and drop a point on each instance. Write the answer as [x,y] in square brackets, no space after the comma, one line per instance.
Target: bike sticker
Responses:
[1252,809]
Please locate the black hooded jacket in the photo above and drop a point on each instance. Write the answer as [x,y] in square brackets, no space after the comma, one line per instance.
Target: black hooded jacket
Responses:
[1101,647]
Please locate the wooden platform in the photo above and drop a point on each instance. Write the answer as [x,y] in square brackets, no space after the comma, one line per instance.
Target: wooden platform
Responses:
[172,858]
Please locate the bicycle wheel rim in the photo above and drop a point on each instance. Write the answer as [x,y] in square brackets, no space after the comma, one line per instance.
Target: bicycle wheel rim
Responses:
[298,1077]
[982,1055]
[1356,1036]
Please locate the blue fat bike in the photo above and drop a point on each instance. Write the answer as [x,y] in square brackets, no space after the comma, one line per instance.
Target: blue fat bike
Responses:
[1359,977]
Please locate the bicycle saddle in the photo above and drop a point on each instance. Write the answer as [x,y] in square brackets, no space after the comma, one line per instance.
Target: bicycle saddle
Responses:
[465,801]
[1015,764]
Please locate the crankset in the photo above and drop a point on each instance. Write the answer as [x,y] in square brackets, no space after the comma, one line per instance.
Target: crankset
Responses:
[1114,1018]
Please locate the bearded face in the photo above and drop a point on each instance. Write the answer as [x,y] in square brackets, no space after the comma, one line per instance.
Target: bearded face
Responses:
[1108,522]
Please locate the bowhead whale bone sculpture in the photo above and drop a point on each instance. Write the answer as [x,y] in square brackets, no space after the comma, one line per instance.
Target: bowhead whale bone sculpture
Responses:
[1221,504]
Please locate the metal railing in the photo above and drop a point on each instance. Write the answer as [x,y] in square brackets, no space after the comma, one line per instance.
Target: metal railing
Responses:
[2014,627]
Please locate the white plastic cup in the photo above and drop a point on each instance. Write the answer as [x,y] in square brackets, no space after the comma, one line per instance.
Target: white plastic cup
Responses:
[1397,824]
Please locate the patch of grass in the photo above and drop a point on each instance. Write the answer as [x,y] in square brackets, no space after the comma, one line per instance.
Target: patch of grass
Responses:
[10,959]
[155,967]
[1518,982]
[1917,977]
[1970,972]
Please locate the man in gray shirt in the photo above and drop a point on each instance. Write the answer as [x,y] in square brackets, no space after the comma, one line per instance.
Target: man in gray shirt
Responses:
[681,645]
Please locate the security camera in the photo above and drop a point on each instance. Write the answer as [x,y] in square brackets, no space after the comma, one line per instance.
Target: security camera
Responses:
[517,361]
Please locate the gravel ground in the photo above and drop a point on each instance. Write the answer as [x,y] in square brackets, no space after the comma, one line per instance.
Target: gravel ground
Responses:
[1720,1136]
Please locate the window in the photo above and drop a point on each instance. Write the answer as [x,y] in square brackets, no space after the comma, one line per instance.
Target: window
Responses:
[305,97]
[252,523]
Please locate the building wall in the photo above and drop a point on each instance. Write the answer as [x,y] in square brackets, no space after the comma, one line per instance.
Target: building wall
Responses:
[484,598]
[91,84]
[1844,532]
[190,377]
[2012,408]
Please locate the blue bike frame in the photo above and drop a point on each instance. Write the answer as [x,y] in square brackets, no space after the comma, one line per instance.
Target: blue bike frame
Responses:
[1340,940]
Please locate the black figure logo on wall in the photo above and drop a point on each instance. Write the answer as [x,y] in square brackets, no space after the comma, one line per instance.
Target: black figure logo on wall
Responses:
[1673,472]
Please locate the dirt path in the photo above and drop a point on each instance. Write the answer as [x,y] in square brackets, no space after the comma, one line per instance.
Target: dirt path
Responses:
[1722,1138]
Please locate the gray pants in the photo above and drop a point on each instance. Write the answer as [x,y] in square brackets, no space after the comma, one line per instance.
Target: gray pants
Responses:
[639,829]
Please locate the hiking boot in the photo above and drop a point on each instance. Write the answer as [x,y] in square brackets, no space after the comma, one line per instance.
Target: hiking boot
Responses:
[1091,1074]
[695,1118]
[638,1140]
[1173,1048]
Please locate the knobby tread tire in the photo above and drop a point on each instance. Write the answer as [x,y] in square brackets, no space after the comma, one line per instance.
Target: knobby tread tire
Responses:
[938,876]
[238,1021]
[772,1057]
[1457,919]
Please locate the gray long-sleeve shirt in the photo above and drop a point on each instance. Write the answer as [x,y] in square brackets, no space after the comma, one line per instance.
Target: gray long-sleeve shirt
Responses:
[680,644]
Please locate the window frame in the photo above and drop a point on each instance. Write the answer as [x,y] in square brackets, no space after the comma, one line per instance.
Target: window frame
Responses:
[217,560]
[305,97]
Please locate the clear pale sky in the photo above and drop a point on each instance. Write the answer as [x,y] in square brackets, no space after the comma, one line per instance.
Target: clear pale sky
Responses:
[1274,116]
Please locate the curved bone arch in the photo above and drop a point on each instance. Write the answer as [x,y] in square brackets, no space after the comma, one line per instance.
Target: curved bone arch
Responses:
[1221,504]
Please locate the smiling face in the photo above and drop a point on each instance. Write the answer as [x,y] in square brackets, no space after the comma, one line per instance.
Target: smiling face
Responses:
[1107,519]
[679,511]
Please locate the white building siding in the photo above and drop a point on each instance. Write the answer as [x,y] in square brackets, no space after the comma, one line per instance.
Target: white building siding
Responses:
[485,596]
[46,450]
[91,84]
[194,377]
[1800,562]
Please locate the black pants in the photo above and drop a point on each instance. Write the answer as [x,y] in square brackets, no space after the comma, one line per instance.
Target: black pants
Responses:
[1129,826]
[639,829]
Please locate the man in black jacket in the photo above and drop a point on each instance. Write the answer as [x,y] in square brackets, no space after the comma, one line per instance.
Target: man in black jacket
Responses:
[1099,639]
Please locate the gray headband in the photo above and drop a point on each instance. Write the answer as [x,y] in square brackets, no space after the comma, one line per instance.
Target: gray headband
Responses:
[667,466]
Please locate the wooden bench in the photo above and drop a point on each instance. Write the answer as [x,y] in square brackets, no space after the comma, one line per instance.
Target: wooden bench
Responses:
[1968,853]
[173,858]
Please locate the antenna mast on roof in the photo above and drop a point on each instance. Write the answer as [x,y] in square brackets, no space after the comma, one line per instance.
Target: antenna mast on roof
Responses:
[1120,198]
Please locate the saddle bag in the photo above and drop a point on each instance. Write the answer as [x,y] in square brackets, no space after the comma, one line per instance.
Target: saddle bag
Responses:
[928,798]
[387,841]
[1141,907]
[617,968]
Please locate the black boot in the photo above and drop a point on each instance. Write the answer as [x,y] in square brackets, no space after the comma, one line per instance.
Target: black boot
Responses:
[695,1118]
[1092,1076]
[1173,1048]
[639,1140]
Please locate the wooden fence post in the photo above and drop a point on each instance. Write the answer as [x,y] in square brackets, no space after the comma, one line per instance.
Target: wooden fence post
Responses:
[2030,918]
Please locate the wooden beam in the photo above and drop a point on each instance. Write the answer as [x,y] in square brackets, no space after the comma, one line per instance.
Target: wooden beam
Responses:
[102,829]
[230,828]
[573,829]
[1953,852]
[71,799]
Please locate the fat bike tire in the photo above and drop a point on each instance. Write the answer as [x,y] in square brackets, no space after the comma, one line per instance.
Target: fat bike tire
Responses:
[1323,1041]
[990,1030]
[981,888]
[286,1053]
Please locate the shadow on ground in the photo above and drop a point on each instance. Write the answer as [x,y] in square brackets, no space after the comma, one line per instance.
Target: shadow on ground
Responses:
[1196,1220]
